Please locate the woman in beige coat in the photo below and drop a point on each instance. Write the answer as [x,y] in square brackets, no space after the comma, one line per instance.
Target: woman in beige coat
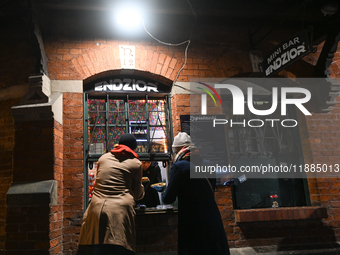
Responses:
[109,221]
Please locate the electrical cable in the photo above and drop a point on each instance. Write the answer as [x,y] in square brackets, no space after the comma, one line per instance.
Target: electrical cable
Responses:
[192,9]
[175,44]
[165,43]
[172,44]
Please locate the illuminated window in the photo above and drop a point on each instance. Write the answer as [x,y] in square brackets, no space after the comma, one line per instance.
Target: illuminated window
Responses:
[107,117]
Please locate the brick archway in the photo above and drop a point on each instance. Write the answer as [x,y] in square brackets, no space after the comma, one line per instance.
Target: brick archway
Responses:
[81,60]
[107,58]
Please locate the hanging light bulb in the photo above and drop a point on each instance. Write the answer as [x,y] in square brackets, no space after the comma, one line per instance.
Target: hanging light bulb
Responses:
[128,17]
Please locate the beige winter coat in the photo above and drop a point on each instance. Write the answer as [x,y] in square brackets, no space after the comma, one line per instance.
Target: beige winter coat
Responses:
[110,217]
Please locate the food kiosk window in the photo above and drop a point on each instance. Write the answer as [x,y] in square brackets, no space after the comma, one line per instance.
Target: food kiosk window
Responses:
[109,115]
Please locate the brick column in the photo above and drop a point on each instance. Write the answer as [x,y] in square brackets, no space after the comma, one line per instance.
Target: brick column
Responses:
[34,200]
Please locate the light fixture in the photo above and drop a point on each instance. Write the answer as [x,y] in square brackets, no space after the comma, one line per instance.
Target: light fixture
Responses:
[128,17]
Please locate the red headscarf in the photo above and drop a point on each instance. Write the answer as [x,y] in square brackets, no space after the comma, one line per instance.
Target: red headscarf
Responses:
[123,151]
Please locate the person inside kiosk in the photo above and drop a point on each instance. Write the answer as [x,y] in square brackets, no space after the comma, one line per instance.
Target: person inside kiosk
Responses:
[151,171]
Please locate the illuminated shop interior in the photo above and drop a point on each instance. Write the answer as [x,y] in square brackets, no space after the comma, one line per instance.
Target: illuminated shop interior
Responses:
[108,116]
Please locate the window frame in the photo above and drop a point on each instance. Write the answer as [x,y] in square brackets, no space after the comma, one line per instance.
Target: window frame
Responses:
[295,135]
[164,157]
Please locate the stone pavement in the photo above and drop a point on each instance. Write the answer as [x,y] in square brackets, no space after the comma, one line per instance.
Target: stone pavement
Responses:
[331,249]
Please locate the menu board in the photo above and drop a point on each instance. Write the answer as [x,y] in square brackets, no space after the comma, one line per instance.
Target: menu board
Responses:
[211,141]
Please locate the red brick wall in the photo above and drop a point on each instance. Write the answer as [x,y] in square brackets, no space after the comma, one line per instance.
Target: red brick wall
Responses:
[6,160]
[73,182]
[156,233]
[323,130]
[224,202]
[79,60]
[17,63]
[186,104]
[318,137]
[36,228]
[69,60]
[56,211]
[74,60]
[33,151]
[27,230]
[320,142]
[180,105]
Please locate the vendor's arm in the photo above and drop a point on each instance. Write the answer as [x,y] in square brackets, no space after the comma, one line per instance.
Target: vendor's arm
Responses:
[170,194]
[137,189]
[146,184]
[158,174]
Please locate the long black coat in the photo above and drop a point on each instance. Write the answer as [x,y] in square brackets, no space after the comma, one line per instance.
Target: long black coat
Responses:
[200,227]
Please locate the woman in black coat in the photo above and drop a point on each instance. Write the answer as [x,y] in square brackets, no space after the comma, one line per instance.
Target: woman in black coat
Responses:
[200,227]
